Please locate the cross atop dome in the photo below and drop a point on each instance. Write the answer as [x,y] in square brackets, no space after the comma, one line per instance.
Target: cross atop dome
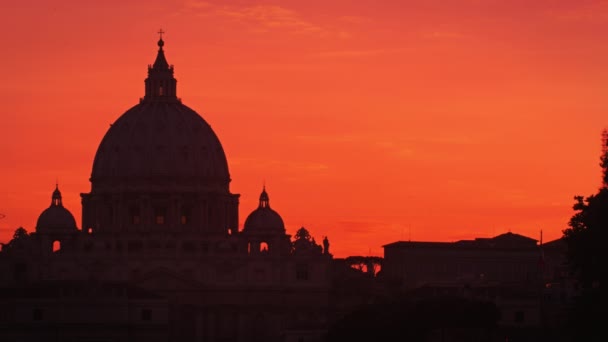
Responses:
[161,43]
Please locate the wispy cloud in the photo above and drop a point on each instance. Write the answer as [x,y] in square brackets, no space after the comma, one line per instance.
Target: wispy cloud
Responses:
[595,11]
[401,148]
[359,53]
[355,19]
[442,34]
[284,164]
[263,18]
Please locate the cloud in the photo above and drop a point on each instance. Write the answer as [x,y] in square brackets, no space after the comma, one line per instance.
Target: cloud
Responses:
[358,53]
[588,12]
[401,148]
[355,19]
[279,164]
[263,18]
[367,226]
[440,34]
[337,138]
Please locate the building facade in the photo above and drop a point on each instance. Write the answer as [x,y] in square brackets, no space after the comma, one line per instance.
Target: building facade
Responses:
[518,274]
[160,219]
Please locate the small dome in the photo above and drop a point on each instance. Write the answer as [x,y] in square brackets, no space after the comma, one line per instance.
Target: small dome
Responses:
[56,218]
[263,219]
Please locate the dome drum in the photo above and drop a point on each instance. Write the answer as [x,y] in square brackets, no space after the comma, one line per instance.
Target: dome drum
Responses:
[161,212]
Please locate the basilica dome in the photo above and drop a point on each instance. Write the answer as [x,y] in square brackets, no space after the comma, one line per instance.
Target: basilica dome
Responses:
[56,218]
[160,142]
[264,219]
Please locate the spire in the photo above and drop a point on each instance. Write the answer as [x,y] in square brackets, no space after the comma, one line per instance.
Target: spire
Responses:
[56,198]
[160,83]
[264,201]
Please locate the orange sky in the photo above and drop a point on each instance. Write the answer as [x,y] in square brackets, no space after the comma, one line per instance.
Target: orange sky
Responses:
[369,122]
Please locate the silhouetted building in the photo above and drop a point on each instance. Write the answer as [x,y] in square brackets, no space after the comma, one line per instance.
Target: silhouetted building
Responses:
[160,255]
[513,271]
[506,258]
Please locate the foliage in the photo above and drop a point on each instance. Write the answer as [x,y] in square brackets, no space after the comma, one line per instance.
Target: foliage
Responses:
[604,158]
[585,237]
[20,233]
[304,243]
[302,234]
[20,237]
[368,264]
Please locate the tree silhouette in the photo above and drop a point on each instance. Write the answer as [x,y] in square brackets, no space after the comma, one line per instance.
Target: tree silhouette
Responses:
[368,264]
[304,243]
[302,234]
[20,233]
[20,236]
[585,238]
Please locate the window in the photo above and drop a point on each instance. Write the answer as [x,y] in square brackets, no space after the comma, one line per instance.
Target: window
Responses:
[159,215]
[301,271]
[135,245]
[259,274]
[189,246]
[146,315]
[186,216]
[37,315]
[263,247]
[519,317]
[56,245]
[135,215]
[110,213]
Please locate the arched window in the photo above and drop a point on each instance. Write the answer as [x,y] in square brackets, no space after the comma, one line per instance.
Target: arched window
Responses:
[186,215]
[263,247]
[134,215]
[159,215]
[56,245]
[302,272]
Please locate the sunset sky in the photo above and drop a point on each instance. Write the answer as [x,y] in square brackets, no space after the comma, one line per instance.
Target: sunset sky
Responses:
[369,121]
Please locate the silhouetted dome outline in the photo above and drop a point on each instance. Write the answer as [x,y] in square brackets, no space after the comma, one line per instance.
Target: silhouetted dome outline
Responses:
[56,218]
[160,141]
[264,219]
